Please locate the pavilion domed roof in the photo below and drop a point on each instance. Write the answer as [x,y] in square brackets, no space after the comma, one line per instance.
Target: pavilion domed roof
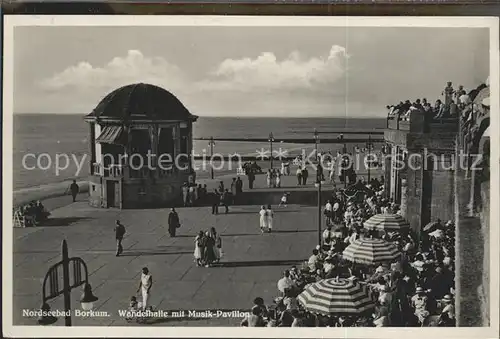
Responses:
[141,102]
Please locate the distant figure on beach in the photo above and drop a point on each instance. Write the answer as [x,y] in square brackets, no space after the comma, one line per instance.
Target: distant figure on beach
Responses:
[173,222]
[145,287]
[119,233]
[75,189]
[263,218]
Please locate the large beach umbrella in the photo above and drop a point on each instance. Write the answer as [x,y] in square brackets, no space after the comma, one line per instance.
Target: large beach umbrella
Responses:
[386,222]
[371,251]
[335,296]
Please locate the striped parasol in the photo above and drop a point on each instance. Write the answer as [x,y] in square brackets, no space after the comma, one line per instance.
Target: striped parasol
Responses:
[335,296]
[386,222]
[371,251]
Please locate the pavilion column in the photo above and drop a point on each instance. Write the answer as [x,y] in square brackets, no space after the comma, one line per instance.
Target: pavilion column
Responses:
[404,197]
[127,150]
[92,147]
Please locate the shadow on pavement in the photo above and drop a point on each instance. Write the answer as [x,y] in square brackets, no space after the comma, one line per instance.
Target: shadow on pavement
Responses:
[61,221]
[146,253]
[260,263]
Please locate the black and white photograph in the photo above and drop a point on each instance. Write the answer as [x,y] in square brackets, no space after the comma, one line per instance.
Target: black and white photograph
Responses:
[177,175]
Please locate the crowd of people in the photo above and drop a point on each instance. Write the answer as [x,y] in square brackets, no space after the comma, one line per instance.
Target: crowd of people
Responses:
[453,100]
[32,214]
[207,248]
[417,289]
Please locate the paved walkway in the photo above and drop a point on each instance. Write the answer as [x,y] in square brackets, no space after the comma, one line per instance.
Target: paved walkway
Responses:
[252,265]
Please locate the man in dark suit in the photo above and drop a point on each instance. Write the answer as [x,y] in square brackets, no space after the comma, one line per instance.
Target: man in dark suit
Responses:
[119,233]
[173,222]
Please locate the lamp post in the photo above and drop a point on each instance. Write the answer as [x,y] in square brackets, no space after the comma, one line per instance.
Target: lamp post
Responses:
[52,278]
[271,139]
[211,144]
[318,184]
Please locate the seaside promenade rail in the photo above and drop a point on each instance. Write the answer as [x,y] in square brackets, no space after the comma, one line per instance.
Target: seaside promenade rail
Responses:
[297,140]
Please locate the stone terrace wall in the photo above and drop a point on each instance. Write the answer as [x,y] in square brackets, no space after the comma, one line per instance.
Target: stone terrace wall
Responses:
[484,292]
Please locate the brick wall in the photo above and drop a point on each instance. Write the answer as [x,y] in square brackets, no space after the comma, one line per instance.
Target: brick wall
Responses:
[442,201]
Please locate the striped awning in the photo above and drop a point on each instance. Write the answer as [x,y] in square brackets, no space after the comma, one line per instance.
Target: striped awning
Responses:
[335,296]
[371,251]
[386,222]
[112,135]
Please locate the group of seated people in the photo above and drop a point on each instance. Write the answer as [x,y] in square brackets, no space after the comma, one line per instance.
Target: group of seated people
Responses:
[32,214]
[415,290]
[453,101]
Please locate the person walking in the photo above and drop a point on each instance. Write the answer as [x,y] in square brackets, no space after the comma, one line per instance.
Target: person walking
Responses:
[145,285]
[305,174]
[225,200]
[269,178]
[263,218]
[239,185]
[173,222]
[218,244]
[221,187]
[270,216]
[234,191]
[299,176]
[185,194]
[75,189]
[198,248]
[251,178]
[209,252]
[119,233]
[278,179]
[215,201]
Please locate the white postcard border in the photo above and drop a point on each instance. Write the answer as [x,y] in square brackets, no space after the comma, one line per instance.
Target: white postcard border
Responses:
[263,21]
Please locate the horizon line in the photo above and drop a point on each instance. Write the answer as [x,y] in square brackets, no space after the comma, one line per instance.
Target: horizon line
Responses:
[233,116]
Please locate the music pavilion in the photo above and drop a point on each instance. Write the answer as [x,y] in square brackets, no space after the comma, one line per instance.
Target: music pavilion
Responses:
[127,125]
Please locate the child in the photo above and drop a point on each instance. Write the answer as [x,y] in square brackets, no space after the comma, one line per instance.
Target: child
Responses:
[284,200]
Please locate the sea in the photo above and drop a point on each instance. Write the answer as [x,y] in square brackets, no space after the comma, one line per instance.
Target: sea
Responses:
[47,137]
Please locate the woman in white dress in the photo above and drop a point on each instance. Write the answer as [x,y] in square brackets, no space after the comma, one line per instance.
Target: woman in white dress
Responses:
[270,216]
[198,244]
[263,218]
[145,287]
[269,178]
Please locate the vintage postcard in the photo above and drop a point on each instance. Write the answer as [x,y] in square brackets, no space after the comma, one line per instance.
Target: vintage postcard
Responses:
[208,175]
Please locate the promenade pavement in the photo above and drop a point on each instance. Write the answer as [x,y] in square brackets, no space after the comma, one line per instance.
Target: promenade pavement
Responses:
[251,267]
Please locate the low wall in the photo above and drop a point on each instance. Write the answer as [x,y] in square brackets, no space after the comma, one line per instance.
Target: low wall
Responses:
[484,290]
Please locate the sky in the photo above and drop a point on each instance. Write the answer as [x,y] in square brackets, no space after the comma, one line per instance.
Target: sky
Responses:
[246,71]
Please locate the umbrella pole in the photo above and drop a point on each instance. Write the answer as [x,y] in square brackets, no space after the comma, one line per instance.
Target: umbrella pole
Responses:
[319,212]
